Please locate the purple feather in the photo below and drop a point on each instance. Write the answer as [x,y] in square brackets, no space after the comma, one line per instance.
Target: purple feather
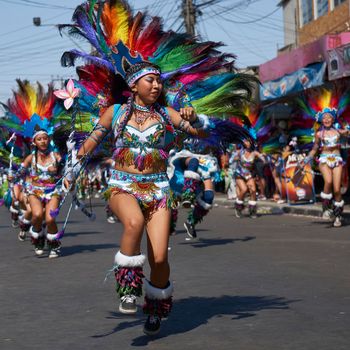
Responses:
[54,213]
[264,130]
[87,30]
[59,235]
[69,57]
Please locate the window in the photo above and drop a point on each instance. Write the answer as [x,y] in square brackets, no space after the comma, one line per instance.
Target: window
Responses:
[306,11]
[338,2]
[322,7]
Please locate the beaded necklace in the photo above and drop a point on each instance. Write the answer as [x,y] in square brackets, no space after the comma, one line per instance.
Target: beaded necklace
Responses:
[142,113]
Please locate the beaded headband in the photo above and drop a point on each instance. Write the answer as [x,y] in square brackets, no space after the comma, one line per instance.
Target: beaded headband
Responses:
[39,132]
[141,73]
[332,111]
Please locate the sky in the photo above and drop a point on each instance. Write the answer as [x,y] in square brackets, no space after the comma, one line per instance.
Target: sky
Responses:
[250,29]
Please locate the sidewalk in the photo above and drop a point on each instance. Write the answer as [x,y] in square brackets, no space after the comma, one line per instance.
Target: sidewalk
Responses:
[271,207]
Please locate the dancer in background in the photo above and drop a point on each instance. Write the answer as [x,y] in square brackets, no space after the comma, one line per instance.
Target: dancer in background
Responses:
[327,108]
[31,111]
[245,178]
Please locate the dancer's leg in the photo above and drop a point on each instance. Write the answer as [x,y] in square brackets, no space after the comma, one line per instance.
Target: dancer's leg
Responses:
[326,194]
[252,202]
[338,202]
[54,245]
[158,298]
[242,190]
[128,261]
[36,231]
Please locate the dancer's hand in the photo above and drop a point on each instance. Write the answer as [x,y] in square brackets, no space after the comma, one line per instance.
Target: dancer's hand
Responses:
[187,113]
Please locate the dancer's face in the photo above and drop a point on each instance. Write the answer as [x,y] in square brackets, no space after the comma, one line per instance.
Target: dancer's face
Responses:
[42,141]
[327,120]
[148,88]
[247,144]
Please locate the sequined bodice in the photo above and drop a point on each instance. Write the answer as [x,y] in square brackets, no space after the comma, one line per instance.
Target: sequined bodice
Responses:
[41,173]
[146,148]
[330,141]
[246,162]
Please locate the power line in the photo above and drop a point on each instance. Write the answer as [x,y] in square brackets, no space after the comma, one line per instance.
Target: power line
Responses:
[38,5]
[30,26]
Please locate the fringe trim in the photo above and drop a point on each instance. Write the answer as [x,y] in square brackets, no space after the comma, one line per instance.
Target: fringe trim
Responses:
[155,159]
[158,301]
[129,281]
[197,214]
[161,308]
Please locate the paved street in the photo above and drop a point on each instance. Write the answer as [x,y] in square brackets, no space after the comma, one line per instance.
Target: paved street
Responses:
[274,283]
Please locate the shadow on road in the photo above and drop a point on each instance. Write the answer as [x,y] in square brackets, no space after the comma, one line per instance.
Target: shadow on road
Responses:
[193,312]
[80,233]
[180,232]
[76,249]
[204,242]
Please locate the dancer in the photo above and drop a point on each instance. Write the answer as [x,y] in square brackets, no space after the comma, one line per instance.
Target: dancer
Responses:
[40,170]
[324,111]
[144,131]
[245,178]
[139,190]
[328,142]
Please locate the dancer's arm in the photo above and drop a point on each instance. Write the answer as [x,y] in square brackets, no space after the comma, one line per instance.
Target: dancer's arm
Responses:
[101,129]
[186,120]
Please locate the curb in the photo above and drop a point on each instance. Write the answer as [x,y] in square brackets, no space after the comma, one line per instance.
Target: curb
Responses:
[269,207]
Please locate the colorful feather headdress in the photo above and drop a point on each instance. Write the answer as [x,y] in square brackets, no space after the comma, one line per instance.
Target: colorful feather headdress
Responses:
[30,108]
[317,103]
[193,72]
[311,108]
[259,127]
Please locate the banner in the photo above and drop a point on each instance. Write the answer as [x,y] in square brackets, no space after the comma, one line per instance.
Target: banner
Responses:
[305,78]
[297,181]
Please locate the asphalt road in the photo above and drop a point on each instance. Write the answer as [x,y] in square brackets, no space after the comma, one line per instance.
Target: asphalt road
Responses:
[275,283]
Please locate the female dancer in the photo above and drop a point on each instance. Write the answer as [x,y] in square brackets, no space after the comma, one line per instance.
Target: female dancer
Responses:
[40,170]
[245,178]
[144,130]
[139,192]
[43,169]
[327,140]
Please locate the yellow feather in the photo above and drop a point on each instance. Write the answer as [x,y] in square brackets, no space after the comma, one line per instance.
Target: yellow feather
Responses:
[32,99]
[115,22]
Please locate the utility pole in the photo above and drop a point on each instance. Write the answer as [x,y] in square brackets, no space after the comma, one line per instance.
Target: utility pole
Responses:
[189,15]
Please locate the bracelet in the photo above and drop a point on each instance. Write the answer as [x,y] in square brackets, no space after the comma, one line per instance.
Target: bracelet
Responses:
[197,123]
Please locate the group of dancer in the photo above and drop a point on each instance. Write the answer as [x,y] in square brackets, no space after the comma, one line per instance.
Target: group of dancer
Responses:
[319,128]
[152,103]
